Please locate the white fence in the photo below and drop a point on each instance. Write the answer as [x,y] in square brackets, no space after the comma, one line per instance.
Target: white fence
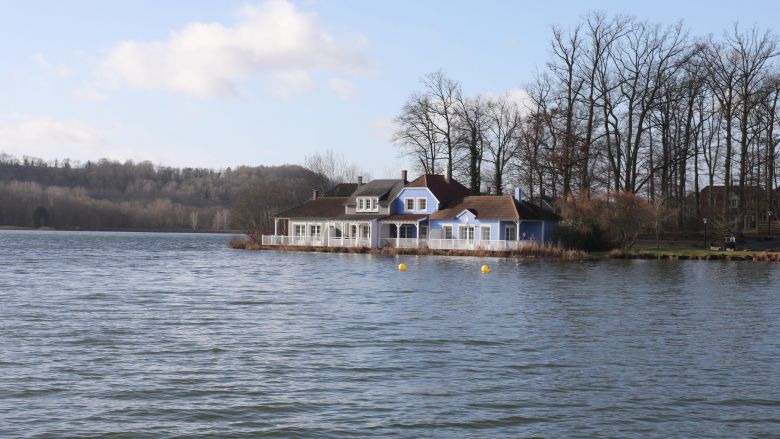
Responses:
[315,241]
[455,244]
[436,244]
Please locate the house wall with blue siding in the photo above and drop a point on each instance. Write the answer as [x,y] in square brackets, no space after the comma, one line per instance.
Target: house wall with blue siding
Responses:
[399,206]
[467,218]
[533,230]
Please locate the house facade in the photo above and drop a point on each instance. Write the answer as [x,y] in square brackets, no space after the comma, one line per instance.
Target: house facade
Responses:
[432,211]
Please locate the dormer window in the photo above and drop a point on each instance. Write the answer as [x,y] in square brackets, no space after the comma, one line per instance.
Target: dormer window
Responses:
[422,204]
[367,204]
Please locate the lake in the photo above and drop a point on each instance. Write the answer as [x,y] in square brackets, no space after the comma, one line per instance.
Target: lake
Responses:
[175,335]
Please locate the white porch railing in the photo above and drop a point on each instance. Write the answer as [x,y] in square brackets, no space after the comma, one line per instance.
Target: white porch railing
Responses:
[403,242]
[436,244]
[455,244]
[315,241]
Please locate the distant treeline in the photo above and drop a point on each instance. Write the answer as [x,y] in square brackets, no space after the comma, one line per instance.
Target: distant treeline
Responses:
[125,195]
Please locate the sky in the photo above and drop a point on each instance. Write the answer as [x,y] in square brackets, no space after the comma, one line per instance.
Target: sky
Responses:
[226,83]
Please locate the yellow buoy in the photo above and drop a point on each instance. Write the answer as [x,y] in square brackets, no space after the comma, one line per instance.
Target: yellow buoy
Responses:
[401,267]
[485,269]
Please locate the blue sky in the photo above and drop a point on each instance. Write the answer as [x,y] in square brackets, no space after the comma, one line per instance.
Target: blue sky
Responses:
[217,84]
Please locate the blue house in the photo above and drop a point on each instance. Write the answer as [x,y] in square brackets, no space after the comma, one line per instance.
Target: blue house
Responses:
[432,211]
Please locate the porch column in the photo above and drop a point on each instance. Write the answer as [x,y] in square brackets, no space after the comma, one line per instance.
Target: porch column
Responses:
[342,233]
[397,235]
[276,226]
[418,234]
[542,231]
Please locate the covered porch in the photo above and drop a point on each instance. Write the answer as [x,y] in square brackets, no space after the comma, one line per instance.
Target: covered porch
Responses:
[404,231]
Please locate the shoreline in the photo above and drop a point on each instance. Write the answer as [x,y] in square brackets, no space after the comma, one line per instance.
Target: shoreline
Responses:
[531,252]
[52,229]
[537,252]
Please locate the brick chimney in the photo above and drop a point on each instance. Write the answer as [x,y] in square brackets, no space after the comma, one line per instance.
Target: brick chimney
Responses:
[314,194]
[360,180]
[489,189]
[447,175]
[518,194]
[403,175]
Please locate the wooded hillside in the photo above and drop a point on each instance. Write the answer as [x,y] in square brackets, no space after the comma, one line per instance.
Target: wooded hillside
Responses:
[113,195]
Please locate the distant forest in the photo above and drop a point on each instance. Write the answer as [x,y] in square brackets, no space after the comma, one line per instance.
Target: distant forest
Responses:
[109,194]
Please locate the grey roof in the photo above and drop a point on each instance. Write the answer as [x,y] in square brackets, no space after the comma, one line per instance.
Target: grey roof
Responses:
[321,208]
[385,190]
[341,190]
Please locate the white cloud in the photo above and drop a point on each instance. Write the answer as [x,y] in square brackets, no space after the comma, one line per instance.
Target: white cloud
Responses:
[89,92]
[48,67]
[49,138]
[343,89]
[273,40]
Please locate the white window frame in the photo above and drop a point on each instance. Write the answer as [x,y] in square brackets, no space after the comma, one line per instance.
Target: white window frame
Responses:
[367,204]
[466,228]
[513,228]
[406,204]
[482,229]
[444,229]
[423,232]
[299,230]
[353,230]
[318,228]
[424,201]
[410,231]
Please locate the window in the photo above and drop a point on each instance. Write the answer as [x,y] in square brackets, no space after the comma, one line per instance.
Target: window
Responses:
[299,230]
[484,233]
[409,202]
[422,204]
[367,204]
[364,232]
[407,231]
[423,232]
[353,231]
[314,231]
[446,232]
[510,234]
[466,233]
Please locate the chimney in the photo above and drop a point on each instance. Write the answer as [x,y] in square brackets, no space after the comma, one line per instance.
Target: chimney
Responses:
[403,175]
[360,180]
[489,189]
[518,195]
[447,174]
[314,194]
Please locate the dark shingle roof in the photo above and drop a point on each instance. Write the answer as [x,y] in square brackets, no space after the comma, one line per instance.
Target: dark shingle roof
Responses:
[326,207]
[405,217]
[441,189]
[341,190]
[385,190]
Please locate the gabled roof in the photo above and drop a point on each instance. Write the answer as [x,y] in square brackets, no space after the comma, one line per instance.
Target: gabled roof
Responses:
[326,207]
[385,190]
[341,190]
[443,190]
[495,207]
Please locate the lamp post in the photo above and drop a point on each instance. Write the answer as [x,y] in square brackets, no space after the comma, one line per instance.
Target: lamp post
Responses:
[705,233]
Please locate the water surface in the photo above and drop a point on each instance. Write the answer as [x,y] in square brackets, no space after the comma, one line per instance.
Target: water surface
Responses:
[175,335]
